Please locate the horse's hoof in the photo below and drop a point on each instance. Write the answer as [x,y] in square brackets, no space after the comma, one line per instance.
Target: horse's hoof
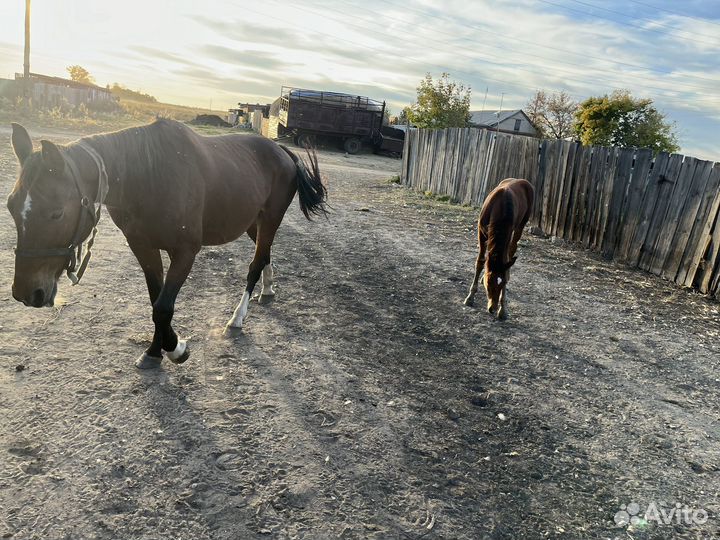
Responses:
[469,301]
[502,315]
[180,354]
[232,330]
[148,362]
[266,298]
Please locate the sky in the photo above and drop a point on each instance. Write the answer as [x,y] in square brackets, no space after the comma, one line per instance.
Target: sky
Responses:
[221,52]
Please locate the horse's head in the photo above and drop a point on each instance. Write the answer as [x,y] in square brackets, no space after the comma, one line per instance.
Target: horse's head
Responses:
[496,278]
[47,209]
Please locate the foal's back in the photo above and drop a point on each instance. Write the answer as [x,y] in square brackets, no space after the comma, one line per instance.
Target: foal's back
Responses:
[510,201]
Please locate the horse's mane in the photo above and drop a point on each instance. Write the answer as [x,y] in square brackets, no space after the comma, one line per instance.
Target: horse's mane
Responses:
[158,149]
[500,229]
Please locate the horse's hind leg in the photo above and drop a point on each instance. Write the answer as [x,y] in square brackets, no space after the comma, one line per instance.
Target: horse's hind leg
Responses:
[267,292]
[479,263]
[267,226]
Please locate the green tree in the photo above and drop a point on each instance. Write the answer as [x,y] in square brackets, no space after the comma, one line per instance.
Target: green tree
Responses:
[552,114]
[122,92]
[621,120]
[402,118]
[440,104]
[80,74]
[387,115]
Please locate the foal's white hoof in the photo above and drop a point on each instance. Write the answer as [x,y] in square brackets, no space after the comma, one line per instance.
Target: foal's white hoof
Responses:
[148,362]
[180,354]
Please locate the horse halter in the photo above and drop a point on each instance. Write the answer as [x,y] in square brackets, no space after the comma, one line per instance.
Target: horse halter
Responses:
[88,210]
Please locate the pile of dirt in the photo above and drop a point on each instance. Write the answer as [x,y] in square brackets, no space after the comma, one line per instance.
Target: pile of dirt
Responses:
[210,120]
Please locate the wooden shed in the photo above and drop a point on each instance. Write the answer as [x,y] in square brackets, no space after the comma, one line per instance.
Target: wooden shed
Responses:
[50,91]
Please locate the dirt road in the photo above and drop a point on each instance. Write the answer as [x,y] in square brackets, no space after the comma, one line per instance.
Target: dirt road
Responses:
[366,401]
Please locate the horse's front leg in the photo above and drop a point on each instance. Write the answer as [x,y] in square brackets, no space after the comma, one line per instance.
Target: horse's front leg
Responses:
[479,264]
[165,339]
[503,311]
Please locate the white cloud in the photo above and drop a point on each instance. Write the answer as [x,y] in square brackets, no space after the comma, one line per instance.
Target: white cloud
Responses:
[382,48]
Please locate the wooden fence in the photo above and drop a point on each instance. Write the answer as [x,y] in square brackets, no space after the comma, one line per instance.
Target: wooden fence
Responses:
[658,214]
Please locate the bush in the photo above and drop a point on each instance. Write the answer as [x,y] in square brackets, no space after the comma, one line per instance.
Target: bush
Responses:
[107,106]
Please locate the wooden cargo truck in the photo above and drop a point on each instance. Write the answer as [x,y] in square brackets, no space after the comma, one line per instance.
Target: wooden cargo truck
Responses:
[312,115]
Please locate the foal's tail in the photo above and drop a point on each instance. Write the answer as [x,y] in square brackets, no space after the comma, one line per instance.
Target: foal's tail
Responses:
[311,191]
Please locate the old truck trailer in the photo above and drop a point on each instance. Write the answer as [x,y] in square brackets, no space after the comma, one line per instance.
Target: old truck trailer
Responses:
[309,115]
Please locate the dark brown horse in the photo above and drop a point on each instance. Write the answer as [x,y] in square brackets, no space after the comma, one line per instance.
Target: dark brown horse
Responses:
[504,214]
[166,188]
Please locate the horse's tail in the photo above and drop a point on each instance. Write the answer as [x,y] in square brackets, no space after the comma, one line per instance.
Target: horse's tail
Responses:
[311,191]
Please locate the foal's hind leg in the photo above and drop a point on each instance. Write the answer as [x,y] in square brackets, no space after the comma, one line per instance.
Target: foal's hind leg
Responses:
[479,263]
[267,226]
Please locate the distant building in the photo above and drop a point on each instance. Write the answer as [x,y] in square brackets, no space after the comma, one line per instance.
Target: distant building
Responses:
[514,122]
[244,111]
[48,92]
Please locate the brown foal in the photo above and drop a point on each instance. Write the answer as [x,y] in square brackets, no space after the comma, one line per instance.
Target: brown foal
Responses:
[504,214]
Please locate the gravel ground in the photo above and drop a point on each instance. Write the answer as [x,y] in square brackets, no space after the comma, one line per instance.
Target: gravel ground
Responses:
[366,401]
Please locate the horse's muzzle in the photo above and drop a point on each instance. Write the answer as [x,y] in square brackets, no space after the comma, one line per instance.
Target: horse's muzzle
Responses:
[39,298]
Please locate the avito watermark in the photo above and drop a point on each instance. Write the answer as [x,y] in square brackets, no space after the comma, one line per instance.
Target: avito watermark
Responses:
[660,514]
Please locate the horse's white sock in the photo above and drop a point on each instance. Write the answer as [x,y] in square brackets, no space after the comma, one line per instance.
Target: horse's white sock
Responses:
[179,350]
[267,281]
[240,312]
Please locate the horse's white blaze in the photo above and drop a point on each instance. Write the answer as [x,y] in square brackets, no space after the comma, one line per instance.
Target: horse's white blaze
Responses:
[240,312]
[267,281]
[179,350]
[26,210]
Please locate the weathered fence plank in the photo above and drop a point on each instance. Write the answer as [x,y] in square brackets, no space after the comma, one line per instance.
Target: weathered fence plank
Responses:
[634,200]
[536,218]
[580,194]
[564,203]
[474,154]
[595,189]
[670,223]
[617,210]
[686,221]
[405,159]
[551,158]
[608,187]
[704,249]
[665,180]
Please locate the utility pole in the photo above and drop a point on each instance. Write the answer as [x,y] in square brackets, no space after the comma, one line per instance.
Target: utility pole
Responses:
[484,100]
[502,98]
[26,62]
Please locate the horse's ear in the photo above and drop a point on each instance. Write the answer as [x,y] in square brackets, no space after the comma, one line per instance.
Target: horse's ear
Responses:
[510,263]
[21,142]
[52,157]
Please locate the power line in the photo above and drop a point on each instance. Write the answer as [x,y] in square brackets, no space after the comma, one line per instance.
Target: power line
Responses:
[384,35]
[533,44]
[674,12]
[644,19]
[426,65]
[620,22]
[500,47]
